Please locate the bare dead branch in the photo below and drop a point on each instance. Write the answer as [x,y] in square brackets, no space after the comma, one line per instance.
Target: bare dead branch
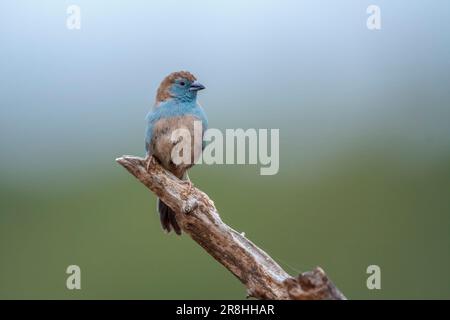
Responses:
[197,216]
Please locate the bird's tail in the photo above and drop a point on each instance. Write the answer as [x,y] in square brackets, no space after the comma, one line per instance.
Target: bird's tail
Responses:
[167,217]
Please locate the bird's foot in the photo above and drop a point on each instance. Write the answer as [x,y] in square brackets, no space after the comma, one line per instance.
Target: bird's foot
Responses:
[147,161]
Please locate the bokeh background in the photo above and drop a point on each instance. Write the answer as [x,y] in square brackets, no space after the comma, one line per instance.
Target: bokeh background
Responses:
[364,119]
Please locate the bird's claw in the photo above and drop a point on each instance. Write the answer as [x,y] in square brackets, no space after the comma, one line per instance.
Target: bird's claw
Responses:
[147,161]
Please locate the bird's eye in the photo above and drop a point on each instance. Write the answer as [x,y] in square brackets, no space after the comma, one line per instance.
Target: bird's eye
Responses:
[182,83]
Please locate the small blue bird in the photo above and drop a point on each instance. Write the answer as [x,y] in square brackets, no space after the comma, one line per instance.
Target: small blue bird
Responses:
[176,107]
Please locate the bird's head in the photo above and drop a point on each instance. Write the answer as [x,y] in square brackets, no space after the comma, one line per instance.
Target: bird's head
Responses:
[180,85]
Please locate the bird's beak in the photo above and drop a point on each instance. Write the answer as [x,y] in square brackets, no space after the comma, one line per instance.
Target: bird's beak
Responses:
[195,86]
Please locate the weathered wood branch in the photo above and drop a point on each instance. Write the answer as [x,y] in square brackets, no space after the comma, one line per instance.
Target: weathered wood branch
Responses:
[197,217]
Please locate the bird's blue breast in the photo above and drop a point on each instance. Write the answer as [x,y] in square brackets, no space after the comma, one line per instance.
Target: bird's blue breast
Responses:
[170,109]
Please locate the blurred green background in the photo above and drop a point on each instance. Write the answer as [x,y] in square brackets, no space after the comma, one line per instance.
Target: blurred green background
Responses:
[364,119]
